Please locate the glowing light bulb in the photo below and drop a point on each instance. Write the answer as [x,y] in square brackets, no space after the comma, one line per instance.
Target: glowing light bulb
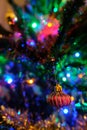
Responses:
[32,43]
[9,22]
[22,45]
[49,24]
[1,36]
[64,79]
[30,81]
[80,75]
[15,19]
[19,112]
[8,78]
[68,75]
[85,117]
[55,9]
[72,98]
[65,111]
[77,54]
[34,25]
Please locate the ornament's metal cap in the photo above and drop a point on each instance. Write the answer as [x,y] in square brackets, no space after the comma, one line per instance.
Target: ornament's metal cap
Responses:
[58,88]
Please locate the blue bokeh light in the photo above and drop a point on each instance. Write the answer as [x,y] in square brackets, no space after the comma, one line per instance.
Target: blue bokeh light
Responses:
[68,75]
[77,54]
[8,79]
[65,110]
[19,112]
[32,43]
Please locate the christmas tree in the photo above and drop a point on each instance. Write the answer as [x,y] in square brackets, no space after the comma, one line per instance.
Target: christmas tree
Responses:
[43,47]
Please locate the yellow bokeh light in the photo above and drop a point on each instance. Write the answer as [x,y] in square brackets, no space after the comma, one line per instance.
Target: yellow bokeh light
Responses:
[49,24]
[30,81]
[1,36]
[85,117]
[9,23]
[80,76]
[72,98]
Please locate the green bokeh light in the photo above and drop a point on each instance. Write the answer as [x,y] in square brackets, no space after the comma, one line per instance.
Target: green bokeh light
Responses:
[2,59]
[75,43]
[64,79]
[34,25]
[55,9]
[57,120]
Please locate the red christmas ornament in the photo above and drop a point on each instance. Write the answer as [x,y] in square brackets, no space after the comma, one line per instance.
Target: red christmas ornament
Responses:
[58,98]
